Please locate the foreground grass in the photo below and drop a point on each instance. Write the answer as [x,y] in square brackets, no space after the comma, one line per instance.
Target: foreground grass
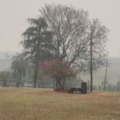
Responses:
[40,104]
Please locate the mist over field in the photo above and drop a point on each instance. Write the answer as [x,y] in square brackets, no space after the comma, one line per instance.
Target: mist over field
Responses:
[113,75]
[59,60]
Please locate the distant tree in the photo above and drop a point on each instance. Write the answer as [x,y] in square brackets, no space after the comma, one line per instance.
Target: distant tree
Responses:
[59,71]
[18,68]
[5,76]
[72,33]
[37,43]
[118,86]
[99,53]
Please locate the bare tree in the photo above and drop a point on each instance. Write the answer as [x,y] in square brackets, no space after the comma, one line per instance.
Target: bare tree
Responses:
[18,67]
[72,33]
[98,53]
[70,30]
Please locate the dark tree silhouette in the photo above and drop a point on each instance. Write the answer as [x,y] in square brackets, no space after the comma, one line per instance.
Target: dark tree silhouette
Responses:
[18,67]
[37,43]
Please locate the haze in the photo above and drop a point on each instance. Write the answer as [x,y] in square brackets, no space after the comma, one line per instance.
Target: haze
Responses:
[13,15]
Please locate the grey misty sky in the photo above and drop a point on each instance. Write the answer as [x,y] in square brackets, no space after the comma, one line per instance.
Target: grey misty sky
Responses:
[13,15]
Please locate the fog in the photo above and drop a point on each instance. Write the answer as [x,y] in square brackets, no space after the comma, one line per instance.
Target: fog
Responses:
[14,13]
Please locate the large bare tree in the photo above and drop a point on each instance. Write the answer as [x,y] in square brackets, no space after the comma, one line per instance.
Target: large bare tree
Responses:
[70,29]
[72,33]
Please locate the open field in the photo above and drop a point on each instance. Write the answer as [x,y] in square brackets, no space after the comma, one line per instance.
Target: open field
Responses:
[41,104]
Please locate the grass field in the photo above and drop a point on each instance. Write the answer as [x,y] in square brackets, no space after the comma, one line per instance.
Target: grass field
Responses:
[45,104]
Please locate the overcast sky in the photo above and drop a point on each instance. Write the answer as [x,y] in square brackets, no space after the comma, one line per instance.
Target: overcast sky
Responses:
[13,15]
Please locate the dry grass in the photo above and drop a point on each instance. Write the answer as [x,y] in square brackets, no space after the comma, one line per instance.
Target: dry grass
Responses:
[40,104]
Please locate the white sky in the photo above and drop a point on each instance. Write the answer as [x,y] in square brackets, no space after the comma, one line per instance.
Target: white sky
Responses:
[13,15]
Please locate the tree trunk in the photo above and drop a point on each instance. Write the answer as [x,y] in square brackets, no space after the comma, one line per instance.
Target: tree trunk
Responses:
[60,85]
[19,81]
[35,75]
